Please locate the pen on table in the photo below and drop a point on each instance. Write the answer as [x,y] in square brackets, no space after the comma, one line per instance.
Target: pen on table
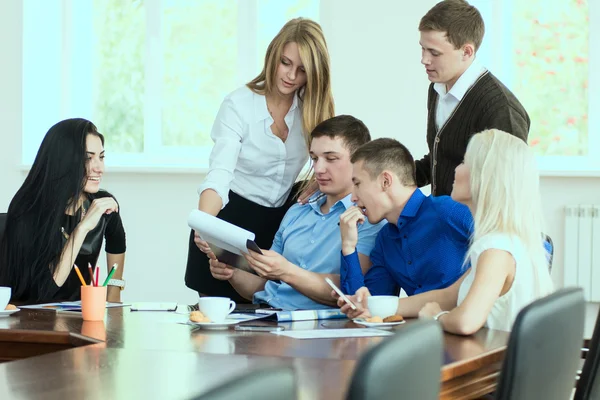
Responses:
[79,275]
[91,274]
[110,274]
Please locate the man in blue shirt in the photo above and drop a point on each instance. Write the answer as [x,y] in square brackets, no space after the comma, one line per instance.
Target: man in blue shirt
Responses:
[306,247]
[422,247]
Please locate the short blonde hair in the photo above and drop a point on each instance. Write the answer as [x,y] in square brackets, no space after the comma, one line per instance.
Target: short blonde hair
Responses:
[316,95]
[505,192]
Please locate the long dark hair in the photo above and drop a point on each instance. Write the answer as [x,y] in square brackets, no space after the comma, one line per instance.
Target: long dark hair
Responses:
[32,238]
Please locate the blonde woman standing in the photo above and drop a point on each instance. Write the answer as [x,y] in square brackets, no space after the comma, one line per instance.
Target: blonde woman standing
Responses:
[261,137]
[499,182]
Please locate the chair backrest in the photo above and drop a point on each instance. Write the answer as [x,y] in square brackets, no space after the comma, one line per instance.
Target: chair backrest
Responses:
[275,383]
[549,246]
[2,224]
[544,348]
[406,366]
[588,386]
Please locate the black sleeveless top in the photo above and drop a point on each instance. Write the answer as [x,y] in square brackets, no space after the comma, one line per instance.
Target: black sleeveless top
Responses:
[109,227]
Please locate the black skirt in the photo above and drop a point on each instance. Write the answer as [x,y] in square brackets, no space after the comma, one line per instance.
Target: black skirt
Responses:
[262,221]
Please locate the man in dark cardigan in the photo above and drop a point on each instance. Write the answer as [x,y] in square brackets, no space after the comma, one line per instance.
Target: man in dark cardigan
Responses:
[464,98]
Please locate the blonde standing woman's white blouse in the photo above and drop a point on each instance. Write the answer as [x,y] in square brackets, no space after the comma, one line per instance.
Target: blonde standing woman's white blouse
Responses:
[247,157]
[521,293]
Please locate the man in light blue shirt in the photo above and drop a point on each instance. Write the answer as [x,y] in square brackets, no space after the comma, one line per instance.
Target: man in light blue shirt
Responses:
[306,248]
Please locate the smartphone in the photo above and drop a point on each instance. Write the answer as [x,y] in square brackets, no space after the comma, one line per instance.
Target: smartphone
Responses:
[259,328]
[342,295]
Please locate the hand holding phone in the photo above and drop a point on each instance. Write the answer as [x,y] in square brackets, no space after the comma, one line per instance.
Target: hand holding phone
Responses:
[339,292]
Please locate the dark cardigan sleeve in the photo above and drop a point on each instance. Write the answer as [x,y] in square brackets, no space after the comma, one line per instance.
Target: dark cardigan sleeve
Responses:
[423,169]
[423,166]
[507,118]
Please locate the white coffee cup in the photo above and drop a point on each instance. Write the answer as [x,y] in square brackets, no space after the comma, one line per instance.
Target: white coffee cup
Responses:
[382,306]
[216,308]
[5,293]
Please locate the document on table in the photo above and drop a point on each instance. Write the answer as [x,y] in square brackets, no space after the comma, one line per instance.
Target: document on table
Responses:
[333,333]
[68,306]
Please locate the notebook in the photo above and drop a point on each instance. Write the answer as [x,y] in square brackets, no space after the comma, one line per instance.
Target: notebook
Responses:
[154,306]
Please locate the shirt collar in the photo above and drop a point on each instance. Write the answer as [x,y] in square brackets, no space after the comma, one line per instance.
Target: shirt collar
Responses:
[464,82]
[261,111]
[346,202]
[413,204]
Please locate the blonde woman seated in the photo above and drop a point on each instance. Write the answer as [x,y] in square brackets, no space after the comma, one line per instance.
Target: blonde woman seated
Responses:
[499,182]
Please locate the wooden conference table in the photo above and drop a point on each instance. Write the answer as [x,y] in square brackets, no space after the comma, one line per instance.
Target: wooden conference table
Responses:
[150,355]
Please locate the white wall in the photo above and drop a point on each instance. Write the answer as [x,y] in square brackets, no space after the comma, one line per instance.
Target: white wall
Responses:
[376,77]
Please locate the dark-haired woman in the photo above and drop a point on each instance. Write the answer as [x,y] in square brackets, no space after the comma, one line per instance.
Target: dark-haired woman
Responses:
[59,218]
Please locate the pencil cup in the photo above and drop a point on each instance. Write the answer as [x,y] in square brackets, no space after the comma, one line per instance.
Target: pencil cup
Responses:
[93,302]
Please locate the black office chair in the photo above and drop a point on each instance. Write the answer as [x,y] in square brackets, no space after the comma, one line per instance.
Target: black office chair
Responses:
[405,366]
[275,383]
[2,224]
[549,245]
[588,386]
[544,349]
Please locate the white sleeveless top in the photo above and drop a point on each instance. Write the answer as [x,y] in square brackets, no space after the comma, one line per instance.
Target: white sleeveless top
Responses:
[521,293]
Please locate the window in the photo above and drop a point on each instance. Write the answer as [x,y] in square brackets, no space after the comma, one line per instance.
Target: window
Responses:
[151,74]
[543,51]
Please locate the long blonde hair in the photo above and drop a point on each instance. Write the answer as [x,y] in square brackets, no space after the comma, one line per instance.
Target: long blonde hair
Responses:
[505,191]
[316,95]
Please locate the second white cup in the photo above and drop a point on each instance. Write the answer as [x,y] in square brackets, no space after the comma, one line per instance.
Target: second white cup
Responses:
[382,306]
[216,308]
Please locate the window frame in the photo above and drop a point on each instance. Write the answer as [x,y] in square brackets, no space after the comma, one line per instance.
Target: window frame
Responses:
[498,28]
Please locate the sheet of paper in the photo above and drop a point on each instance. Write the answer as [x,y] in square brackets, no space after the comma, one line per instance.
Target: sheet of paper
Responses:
[234,316]
[220,233]
[333,333]
[227,241]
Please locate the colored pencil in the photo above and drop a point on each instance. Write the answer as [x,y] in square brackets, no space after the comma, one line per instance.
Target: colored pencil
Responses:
[97,274]
[110,274]
[91,274]
[79,275]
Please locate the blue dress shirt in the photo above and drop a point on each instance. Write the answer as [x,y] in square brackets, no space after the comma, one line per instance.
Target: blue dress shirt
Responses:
[424,251]
[311,240]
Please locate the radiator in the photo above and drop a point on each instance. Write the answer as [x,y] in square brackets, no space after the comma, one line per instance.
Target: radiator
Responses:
[582,249]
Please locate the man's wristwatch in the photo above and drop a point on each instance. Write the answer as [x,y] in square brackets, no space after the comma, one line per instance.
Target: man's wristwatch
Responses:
[120,283]
[438,315]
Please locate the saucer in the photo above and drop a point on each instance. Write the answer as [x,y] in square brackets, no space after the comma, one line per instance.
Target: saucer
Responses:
[363,322]
[6,313]
[214,325]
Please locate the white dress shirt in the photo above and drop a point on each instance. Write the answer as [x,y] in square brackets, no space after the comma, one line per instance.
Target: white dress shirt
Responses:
[247,157]
[447,101]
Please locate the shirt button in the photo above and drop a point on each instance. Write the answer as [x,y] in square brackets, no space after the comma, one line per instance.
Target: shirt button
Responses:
[405,236]
[409,263]
[420,286]
[323,218]
[312,241]
[434,162]
[437,139]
